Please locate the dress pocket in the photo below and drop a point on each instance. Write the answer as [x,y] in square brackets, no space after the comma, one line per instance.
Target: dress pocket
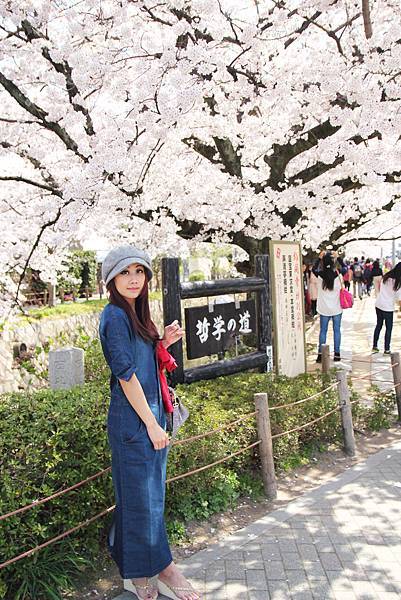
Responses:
[132,426]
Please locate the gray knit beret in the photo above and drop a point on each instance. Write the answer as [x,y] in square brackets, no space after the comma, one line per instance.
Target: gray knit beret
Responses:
[120,258]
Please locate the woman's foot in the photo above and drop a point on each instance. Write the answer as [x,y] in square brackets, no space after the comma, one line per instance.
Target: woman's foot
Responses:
[337,356]
[174,585]
[319,358]
[143,587]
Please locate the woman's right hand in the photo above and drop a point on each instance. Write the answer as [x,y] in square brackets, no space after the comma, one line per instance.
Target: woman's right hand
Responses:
[158,436]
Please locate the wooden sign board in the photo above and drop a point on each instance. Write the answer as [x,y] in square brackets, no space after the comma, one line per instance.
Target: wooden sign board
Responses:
[214,332]
[288,308]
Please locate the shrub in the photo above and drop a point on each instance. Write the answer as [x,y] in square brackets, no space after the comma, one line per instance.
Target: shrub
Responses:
[49,440]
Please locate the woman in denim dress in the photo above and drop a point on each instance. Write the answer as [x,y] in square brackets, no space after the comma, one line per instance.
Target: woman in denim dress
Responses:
[136,429]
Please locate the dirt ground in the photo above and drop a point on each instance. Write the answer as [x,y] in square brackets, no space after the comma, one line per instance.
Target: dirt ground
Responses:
[322,468]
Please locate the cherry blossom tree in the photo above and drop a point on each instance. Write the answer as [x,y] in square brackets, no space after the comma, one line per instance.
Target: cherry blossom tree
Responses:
[232,120]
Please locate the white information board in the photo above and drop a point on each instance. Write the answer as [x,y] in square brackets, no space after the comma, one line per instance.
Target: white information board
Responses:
[288,308]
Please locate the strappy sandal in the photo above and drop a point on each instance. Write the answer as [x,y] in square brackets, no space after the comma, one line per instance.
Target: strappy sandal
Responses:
[170,591]
[130,586]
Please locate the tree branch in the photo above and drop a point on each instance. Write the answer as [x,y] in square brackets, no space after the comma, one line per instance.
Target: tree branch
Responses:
[36,244]
[37,184]
[40,114]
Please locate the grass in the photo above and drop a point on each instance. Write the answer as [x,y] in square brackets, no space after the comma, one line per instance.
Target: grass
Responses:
[69,309]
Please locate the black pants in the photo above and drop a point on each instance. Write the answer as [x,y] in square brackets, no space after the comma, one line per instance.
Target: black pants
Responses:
[383,316]
[347,285]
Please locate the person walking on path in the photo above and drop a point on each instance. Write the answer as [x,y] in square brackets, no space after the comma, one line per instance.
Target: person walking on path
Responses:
[390,290]
[328,302]
[136,429]
[357,275]
[347,276]
[377,274]
[313,286]
[367,276]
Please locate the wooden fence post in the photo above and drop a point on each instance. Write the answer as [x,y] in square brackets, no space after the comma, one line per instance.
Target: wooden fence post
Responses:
[325,358]
[346,414]
[396,366]
[266,445]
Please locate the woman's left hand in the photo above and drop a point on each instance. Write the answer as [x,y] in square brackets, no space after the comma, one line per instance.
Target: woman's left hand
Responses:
[172,333]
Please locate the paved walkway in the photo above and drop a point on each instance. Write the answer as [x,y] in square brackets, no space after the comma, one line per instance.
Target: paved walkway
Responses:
[341,541]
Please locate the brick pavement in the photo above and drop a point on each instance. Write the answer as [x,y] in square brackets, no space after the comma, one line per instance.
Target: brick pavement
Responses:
[341,541]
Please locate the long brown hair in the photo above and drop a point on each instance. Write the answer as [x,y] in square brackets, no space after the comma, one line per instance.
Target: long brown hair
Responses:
[138,313]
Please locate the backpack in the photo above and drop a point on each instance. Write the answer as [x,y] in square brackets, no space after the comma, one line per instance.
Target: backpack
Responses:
[357,271]
[367,274]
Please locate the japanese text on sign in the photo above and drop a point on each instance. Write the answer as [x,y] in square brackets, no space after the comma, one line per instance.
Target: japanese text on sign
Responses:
[212,332]
[288,311]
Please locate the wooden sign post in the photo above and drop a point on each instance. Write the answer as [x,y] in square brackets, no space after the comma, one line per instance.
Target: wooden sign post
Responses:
[233,318]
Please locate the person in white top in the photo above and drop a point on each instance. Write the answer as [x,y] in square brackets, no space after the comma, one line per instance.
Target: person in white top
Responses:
[328,302]
[390,291]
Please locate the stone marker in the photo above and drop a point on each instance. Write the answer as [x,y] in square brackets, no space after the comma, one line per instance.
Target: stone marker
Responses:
[66,368]
[52,294]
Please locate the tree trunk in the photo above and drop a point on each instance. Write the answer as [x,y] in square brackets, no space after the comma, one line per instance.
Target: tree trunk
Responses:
[367,23]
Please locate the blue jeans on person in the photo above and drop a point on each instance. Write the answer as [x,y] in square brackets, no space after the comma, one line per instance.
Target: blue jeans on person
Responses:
[324,325]
[383,316]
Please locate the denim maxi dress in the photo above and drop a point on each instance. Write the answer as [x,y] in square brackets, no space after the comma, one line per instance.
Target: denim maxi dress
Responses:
[138,540]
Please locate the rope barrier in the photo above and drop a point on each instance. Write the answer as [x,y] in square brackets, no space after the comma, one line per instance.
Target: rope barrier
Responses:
[304,399]
[183,475]
[55,539]
[111,508]
[222,428]
[217,462]
[77,485]
[375,372]
[60,493]
[278,435]
[387,381]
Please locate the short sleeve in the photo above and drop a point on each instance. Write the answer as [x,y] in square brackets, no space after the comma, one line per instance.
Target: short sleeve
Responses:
[120,347]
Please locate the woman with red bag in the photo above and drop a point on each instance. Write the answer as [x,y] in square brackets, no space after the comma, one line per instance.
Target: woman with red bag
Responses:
[328,302]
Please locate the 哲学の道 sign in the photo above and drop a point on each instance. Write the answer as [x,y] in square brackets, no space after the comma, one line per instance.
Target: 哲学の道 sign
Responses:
[288,307]
[213,332]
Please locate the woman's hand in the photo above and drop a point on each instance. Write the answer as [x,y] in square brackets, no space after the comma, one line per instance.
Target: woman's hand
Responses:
[158,436]
[172,333]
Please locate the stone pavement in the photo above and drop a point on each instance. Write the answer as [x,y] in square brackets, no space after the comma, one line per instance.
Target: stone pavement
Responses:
[340,541]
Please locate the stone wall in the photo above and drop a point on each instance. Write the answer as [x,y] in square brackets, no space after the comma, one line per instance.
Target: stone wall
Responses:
[57,333]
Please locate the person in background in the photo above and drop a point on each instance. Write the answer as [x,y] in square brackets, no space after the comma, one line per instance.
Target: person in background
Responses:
[313,286]
[390,291]
[328,301]
[347,276]
[357,275]
[306,279]
[377,274]
[367,276]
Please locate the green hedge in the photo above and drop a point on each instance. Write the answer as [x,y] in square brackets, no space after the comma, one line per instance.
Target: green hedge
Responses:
[49,440]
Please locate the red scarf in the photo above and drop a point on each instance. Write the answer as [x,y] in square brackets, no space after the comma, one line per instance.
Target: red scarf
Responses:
[165,361]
